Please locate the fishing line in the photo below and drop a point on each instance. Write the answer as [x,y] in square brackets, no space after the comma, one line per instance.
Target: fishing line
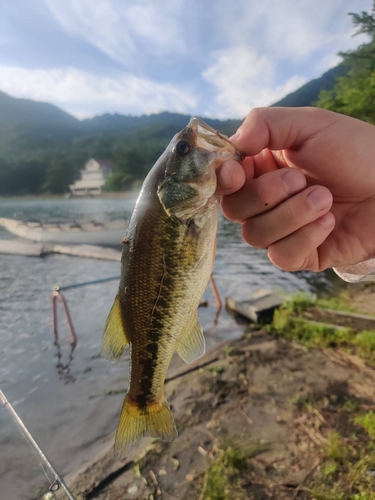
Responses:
[106,368]
[124,358]
[5,405]
[57,479]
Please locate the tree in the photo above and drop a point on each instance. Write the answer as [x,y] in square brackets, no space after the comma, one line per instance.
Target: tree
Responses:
[22,178]
[61,172]
[119,182]
[354,95]
[130,160]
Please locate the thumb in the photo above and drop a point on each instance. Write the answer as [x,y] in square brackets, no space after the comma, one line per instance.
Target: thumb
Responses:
[281,128]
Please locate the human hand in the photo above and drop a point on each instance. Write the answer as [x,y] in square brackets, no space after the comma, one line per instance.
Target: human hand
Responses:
[306,189]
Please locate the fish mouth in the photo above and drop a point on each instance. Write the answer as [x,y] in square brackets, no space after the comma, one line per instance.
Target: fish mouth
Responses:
[210,139]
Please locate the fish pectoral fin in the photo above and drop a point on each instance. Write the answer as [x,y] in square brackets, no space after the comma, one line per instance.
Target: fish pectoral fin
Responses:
[114,338]
[191,344]
[155,420]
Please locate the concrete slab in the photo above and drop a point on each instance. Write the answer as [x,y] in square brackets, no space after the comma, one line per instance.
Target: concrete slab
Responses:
[258,309]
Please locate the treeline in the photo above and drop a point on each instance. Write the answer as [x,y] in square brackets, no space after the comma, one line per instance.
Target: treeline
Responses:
[354,94]
[54,172]
[33,161]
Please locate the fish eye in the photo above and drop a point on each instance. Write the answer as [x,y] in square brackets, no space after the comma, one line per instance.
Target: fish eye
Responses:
[182,148]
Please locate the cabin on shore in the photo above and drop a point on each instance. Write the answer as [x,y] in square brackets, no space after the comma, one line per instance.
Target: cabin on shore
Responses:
[93,177]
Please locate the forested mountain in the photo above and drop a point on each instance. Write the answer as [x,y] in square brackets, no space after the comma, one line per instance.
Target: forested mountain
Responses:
[308,94]
[24,111]
[354,93]
[42,148]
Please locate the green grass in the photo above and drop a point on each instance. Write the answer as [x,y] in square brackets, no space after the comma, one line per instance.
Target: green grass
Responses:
[287,322]
[343,475]
[339,302]
[216,370]
[292,327]
[329,468]
[347,461]
[224,472]
[350,406]
[225,477]
[365,343]
[337,450]
[367,421]
[336,493]
[302,403]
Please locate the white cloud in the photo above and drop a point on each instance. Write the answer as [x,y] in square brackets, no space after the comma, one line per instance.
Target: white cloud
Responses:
[244,80]
[290,30]
[346,42]
[84,94]
[123,30]
[263,50]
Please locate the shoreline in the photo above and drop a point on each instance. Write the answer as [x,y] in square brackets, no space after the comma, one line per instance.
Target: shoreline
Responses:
[121,195]
[255,417]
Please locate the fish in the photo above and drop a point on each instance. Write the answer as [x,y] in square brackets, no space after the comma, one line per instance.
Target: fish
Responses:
[167,258]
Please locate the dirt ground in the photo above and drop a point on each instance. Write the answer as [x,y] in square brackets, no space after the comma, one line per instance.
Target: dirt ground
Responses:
[273,405]
[362,296]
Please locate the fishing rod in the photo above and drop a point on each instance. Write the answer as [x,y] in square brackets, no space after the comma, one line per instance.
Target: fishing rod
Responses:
[58,480]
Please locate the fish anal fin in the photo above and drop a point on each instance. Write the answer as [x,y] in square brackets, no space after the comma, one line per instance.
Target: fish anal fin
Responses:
[191,344]
[114,338]
[155,420]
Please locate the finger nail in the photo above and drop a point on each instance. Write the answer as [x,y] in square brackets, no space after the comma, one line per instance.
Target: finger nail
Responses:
[327,221]
[320,198]
[294,181]
[235,136]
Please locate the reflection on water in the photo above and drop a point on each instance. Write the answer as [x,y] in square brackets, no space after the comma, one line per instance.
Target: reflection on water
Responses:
[74,209]
[67,418]
[63,365]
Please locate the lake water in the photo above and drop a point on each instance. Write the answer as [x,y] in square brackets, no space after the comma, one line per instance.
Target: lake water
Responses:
[61,398]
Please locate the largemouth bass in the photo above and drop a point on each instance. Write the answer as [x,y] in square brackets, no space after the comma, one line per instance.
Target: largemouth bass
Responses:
[167,258]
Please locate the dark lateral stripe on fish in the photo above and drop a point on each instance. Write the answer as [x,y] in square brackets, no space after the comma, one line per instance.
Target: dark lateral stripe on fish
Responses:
[149,365]
[144,398]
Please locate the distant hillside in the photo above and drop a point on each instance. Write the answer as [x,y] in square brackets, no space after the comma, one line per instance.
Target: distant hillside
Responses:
[308,94]
[167,121]
[43,148]
[24,111]
[32,130]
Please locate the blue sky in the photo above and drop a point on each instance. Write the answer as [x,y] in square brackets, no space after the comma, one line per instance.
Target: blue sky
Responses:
[208,57]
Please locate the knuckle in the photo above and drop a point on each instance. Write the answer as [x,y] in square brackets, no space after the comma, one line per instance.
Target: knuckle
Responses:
[284,260]
[252,235]
[310,263]
[230,210]
[266,192]
[256,113]
[295,213]
[292,214]
[308,238]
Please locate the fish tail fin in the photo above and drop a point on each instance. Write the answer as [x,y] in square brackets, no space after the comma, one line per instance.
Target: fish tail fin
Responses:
[155,420]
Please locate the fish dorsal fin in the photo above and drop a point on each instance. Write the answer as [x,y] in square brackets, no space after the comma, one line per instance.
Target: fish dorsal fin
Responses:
[191,344]
[114,338]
